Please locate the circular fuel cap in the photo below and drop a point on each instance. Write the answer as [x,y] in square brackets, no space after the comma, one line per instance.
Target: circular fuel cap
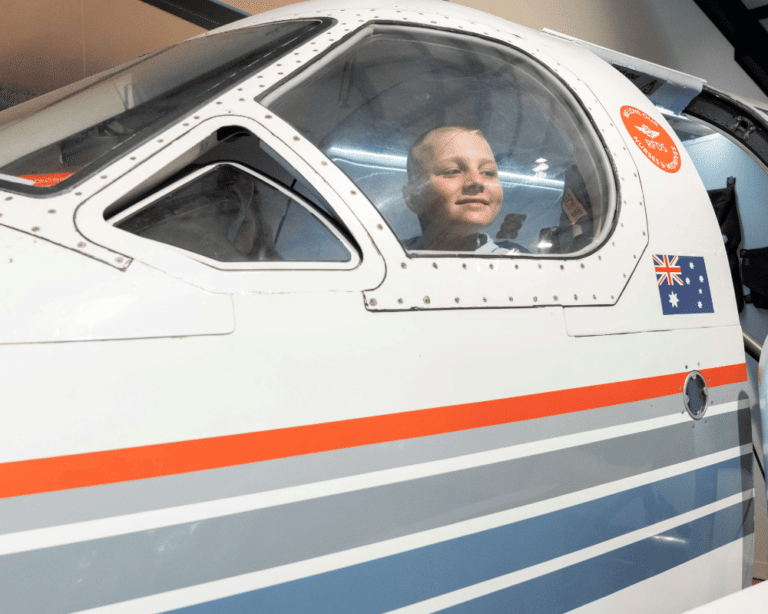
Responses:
[696,395]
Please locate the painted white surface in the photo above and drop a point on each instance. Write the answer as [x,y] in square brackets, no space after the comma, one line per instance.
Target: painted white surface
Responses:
[751,600]
[52,294]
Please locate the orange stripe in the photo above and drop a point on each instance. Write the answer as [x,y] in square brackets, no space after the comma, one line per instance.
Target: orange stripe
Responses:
[108,467]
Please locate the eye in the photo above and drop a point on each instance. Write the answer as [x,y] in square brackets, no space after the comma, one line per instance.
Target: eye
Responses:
[450,172]
[492,173]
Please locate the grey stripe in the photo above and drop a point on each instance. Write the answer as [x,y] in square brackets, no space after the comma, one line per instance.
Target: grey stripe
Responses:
[108,570]
[81,504]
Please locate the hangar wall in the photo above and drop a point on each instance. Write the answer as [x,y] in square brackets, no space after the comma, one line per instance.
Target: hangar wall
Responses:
[47,44]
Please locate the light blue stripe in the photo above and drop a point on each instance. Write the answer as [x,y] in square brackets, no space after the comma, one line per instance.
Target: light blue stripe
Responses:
[413,576]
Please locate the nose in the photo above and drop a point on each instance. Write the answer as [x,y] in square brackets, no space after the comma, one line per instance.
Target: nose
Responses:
[473,182]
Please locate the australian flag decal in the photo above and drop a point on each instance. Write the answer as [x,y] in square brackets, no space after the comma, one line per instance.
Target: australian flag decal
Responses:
[683,284]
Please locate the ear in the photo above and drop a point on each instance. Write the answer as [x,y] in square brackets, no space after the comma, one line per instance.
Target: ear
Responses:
[411,197]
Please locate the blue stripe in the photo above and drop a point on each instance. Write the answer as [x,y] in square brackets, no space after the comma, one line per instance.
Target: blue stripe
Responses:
[590,580]
[409,577]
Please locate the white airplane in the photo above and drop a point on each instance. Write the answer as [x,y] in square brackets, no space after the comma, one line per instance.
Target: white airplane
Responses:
[351,308]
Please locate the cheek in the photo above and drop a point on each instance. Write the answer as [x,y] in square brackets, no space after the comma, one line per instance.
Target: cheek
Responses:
[496,195]
[441,192]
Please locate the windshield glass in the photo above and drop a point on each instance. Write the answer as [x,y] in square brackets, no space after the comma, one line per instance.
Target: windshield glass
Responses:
[70,132]
[462,144]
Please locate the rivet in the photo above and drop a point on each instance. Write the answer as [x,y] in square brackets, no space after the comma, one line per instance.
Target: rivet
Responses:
[599,257]
[611,296]
[555,297]
[510,299]
[35,228]
[324,163]
[9,198]
[239,89]
[575,297]
[434,265]
[159,140]
[582,265]
[400,301]
[594,297]
[379,226]
[517,267]
[643,233]
[625,275]
[634,256]
[456,299]
[373,302]
[353,192]
[78,193]
[51,210]
[103,176]
[686,366]
[296,138]
[535,299]
[405,266]
[133,157]
[539,266]
[119,259]
[426,300]
[463,265]
[197,117]
[562,267]
[485,300]
[81,244]
[241,99]
[491,266]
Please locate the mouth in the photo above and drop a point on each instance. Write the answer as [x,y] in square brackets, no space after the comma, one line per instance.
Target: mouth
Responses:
[472,201]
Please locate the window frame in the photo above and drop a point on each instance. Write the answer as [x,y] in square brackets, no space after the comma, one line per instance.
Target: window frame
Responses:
[461,280]
[133,177]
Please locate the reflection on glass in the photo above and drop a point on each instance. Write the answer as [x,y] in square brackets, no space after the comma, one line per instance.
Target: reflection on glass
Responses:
[229,215]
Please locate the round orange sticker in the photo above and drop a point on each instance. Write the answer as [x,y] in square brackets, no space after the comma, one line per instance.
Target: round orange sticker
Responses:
[651,138]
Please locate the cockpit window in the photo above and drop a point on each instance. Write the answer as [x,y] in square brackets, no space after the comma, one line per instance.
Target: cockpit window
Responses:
[462,144]
[228,213]
[74,131]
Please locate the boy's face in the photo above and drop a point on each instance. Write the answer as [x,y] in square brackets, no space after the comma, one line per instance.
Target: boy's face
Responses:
[458,191]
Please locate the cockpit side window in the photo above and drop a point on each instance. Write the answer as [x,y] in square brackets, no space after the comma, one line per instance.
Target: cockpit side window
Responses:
[238,201]
[462,144]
